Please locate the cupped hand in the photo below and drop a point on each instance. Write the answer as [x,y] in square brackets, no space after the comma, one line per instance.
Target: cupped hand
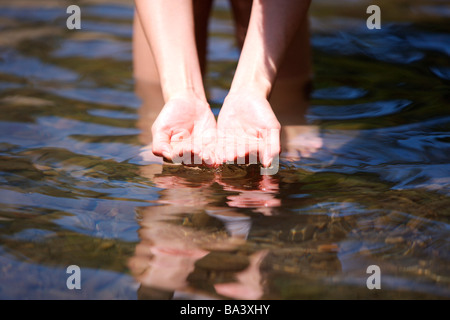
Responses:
[185,131]
[247,129]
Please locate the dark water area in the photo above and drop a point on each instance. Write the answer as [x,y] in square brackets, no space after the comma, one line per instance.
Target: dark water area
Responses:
[364,181]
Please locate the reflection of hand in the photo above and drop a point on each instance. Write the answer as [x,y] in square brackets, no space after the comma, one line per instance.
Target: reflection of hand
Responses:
[252,199]
[263,196]
[182,192]
[185,126]
[247,126]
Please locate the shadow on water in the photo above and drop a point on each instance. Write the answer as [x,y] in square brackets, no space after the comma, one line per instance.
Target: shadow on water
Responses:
[364,176]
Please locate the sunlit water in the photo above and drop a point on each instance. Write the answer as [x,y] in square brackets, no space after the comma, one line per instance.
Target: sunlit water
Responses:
[77,185]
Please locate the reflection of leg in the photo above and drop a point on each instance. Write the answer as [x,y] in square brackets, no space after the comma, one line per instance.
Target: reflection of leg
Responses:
[248,283]
[289,96]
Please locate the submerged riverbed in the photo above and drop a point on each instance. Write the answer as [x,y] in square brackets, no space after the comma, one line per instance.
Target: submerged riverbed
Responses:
[365,180]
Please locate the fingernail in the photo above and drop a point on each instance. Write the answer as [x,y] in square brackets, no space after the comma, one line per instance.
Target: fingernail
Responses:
[206,157]
[267,161]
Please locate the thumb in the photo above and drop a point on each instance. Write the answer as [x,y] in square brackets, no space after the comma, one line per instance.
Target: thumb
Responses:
[161,145]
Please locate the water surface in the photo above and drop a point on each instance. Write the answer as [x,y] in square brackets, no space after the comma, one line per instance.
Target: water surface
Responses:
[364,181]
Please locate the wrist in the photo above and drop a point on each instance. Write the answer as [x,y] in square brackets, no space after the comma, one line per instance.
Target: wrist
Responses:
[184,92]
[252,85]
[245,96]
[250,89]
[188,98]
[181,77]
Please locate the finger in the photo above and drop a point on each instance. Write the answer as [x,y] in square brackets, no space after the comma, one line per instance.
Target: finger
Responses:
[209,139]
[218,156]
[218,149]
[253,146]
[198,153]
[271,146]
[253,156]
[209,157]
[213,160]
[275,147]
[181,143]
[230,146]
[187,152]
[161,145]
[241,150]
[261,147]
[197,148]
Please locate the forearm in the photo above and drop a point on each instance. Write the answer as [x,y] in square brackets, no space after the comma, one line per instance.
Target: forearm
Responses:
[272,26]
[169,29]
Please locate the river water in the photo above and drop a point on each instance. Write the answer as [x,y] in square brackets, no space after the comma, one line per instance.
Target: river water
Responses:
[365,180]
